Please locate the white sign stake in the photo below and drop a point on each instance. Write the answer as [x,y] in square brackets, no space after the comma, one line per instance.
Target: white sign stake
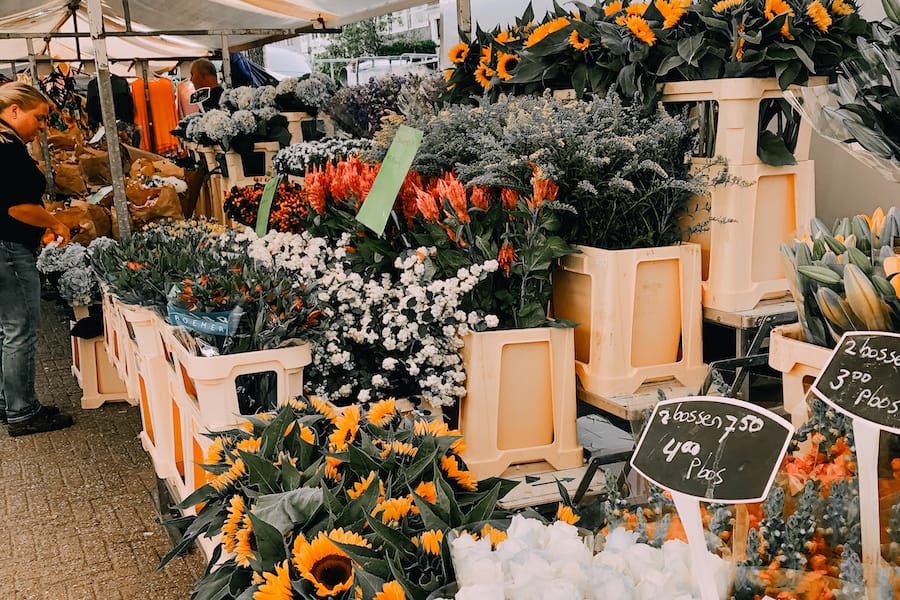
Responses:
[689,511]
[866,436]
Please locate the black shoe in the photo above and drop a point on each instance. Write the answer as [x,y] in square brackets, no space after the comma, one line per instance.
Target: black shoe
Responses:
[48,418]
[53,410]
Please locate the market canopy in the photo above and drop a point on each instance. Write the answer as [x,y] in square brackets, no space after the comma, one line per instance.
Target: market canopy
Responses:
[200,24]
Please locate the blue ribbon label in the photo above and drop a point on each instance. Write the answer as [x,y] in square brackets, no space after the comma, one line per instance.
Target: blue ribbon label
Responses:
[216,323]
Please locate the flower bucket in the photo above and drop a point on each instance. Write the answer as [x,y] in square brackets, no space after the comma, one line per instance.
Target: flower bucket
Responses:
[740,256]
[638,313]
[295,124]
[126,347]
[800,363]
[737,105]
[96,376]
[520,400]
[209,384]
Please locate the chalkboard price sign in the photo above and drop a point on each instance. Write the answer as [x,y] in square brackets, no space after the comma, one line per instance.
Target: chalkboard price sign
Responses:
[712,448]
[862,378]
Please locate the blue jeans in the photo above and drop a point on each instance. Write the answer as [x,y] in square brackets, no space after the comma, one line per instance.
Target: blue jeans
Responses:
[20,314]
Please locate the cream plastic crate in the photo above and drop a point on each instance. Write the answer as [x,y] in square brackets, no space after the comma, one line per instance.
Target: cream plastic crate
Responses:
[741,261]
[738,99]
[209,382]
[111,326]
[639,316]
[126,347]
[520,400]
[96,376]
[800,363]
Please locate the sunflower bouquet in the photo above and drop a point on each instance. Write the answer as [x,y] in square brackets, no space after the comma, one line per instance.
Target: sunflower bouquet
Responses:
[311,503]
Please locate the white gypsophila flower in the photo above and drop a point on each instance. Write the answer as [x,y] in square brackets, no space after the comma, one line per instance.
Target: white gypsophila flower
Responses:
[364,396]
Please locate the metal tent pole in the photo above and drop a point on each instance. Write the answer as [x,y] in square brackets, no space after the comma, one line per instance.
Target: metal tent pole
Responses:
[45,146]
[144,66]
[107,108]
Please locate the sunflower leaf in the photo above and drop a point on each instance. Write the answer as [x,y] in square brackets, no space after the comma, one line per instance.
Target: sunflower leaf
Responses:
[414,591]
[429,513]
[270,548]
[484,509]
[369,582]
[215,586]
[391,536]
[262,474]
[274,432]
[285,510]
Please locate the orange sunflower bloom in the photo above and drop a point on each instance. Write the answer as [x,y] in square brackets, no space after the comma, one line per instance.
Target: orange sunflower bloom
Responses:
[483,76]
[324,564]
[578,42]
[779,7]
[459,53]
[840,7]
[244,546]
[251,445]
[819,15]
[277,585]
[612,8]
[381,413]
[464,479]
[345,428]
[360,487]
[427,491]
[671,12]
[394,509]
[505,37]
[392,590]
[398,448]
[641,29]
[495,535]
[506,62]
[430,541]
[448,73]
[546,29]
[723,5]
[232,524]
[566,514]
[637,8]
[229,477]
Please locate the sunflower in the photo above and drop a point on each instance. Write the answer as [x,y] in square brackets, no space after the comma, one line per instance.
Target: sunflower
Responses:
[215,452]
[819,15]
[382,413]
[840,7]
[505,37]
[723,5]
[232,524]
[495,535]
[346,427]
[323,408]
[427,491]
[430,541]
[243,549]
[251,445]
[779,7]
[637,8]
[325,565]
[307,435]
[612,8]
[331,468]
[483,76]
[393,509]
[464,479]
[392,590]
[277,585]
[448,73]
[641,29]
[566,514]
[297,404]
[226,479]
[399,448]
[671,11]
[459,52]
[360,487]
[505,63]
[546,29]
[577,42]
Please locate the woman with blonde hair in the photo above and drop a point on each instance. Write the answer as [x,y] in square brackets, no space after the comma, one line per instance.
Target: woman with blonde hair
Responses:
[23,223]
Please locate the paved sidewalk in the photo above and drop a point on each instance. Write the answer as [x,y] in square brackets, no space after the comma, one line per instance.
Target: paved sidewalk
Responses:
[77,519]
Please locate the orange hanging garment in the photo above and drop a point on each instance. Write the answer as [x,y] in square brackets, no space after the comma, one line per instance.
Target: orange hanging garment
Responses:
[165,117]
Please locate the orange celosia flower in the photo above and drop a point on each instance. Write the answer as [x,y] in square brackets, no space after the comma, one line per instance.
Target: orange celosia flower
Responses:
[579,43]
[505,63]
[640,29]
[427,205]
[819,15]
[506,256]
[510,198]
[543,190]
[612,8]
[459,52]
[455,192]
[546,29]
[479,197]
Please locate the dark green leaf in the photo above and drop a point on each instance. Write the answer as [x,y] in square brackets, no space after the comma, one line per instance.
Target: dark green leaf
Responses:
[391,536]
[484,509]
[691,49]
[261,474]
[773,151]
[285,510]
[270,545]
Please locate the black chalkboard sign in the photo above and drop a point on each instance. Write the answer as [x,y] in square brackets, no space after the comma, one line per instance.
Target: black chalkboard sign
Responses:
[712,448]
[862,378]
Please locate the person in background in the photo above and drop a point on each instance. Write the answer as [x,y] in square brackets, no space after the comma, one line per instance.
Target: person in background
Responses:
[23,223]
[183,92]
[204,75]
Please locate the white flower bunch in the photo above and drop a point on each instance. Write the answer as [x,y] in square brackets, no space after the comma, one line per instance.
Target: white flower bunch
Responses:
[156,181]
[315,91]
[78,286]
[286,86]
[244,122]
[265,113]
[214,126]
[387,335]
[265,96]
[546,562]
[239,98]
[296,159]
[99,244]
[54,259]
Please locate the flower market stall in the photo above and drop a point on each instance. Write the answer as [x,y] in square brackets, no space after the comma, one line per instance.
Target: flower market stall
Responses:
[342,409]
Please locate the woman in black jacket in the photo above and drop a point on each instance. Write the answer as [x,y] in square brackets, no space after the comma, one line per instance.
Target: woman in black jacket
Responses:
[23,222]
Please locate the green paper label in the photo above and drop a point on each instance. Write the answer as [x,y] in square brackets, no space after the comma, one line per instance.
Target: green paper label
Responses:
[265,206]
[377,207]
